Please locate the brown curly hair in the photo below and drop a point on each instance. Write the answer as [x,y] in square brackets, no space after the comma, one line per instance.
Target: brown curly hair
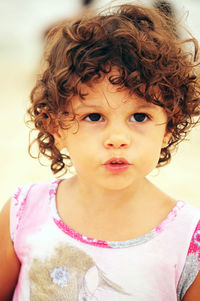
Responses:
[138,41]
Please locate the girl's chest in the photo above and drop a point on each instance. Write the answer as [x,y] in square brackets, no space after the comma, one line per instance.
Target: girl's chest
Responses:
[66,267]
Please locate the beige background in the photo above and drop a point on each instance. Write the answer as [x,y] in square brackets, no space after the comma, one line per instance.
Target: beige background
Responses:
[22,23]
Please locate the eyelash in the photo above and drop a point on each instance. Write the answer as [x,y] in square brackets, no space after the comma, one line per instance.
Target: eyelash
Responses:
[146,117]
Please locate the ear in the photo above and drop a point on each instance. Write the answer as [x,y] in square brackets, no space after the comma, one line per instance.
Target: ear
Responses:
[59,141]
[166,139]
[55,131]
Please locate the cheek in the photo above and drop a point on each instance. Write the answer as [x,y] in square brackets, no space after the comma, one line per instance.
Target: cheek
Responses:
[78,148]
[151,149]
[83,142]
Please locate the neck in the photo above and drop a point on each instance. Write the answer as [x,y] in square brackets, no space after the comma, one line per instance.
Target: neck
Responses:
[95,198]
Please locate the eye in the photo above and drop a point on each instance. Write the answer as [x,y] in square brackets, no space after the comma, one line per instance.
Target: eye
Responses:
[93,117]
[139,117]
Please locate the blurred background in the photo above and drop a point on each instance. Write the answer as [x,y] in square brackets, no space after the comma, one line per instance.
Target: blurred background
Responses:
[22,26]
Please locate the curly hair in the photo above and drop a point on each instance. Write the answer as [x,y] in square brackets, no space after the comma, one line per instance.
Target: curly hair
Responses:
[138,41]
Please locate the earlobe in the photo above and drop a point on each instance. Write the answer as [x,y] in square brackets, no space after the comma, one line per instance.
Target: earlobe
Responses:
[58,140]
[166,139]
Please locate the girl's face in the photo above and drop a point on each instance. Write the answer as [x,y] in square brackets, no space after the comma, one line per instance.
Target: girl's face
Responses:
[116,138]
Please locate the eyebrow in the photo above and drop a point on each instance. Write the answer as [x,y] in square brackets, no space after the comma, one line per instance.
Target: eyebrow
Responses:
[148,106]
[82,106]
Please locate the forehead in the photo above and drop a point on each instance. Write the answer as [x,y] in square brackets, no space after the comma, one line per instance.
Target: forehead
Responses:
[104,94]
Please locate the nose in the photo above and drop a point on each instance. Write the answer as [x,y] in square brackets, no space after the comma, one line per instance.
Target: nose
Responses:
[117,140]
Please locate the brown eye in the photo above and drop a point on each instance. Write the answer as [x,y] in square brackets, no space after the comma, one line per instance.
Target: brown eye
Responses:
[139,117]
[93,117]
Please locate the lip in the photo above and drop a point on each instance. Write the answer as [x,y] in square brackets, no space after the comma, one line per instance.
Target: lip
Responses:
[117,165]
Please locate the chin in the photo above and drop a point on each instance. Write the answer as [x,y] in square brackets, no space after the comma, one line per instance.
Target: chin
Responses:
[116,184]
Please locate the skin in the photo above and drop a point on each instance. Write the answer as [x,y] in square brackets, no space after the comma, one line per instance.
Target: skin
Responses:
[115,133]
[193,293]
[118,199]
[9,263]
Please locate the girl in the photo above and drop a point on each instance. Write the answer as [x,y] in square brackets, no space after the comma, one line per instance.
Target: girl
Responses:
[118,91]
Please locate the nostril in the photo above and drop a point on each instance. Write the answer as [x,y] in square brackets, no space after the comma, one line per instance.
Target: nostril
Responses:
[116,145]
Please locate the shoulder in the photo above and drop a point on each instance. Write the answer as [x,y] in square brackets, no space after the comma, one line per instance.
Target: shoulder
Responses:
[29,202]
[33,191]
[190,276]
[188,219]
[192,282]
[10,264]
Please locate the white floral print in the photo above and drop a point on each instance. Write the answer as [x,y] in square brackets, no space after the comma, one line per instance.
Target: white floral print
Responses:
[59,276]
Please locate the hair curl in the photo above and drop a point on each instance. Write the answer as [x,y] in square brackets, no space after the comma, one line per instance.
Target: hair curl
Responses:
[138,41]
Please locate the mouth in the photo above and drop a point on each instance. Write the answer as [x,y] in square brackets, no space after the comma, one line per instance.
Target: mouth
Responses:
[117,165]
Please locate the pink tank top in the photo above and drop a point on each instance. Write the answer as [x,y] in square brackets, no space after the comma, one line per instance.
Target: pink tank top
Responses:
[58,263]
